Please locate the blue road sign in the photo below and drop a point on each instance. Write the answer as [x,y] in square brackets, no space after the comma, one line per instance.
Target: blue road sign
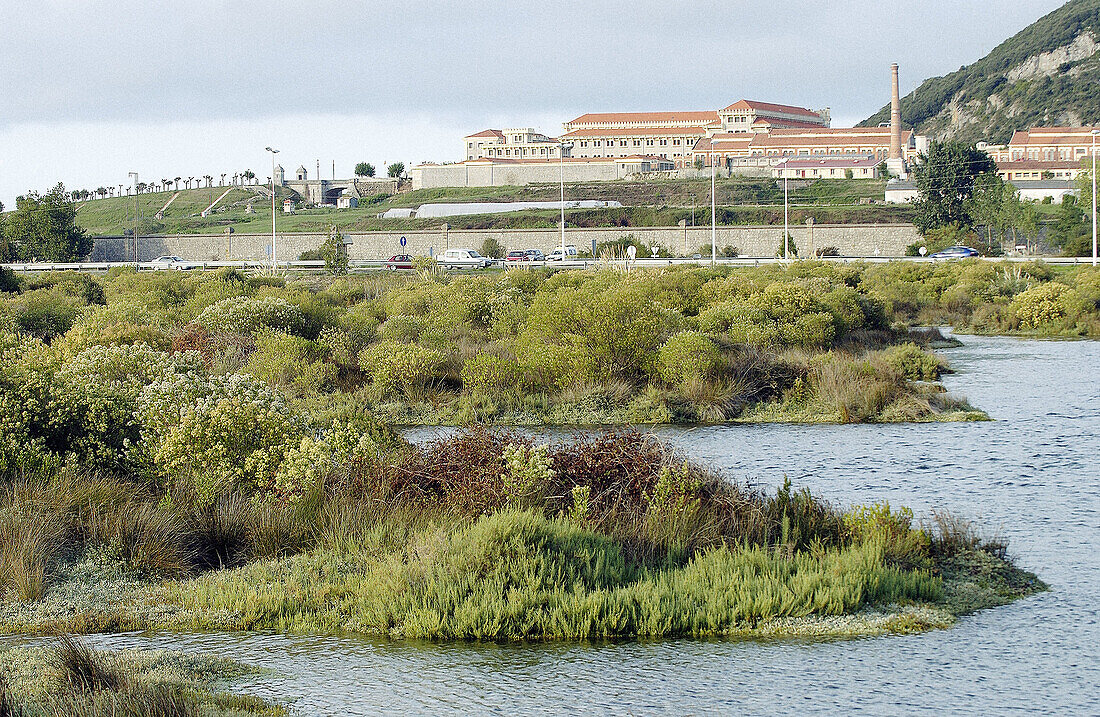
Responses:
[403,241]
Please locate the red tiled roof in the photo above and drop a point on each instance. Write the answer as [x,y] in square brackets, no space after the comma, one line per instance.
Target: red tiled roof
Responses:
[487,133]
[769,107]
[823,136]
[1047,136]
[635,131]
[786,124]
[567,160]
[706,117]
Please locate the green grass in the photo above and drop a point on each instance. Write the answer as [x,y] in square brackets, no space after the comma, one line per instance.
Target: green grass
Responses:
[71,679]
[518,576]
[655,203]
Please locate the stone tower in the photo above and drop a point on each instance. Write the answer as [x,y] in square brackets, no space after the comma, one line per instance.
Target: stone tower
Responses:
[280,175]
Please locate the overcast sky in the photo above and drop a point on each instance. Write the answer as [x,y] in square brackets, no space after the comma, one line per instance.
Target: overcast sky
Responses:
[93,89]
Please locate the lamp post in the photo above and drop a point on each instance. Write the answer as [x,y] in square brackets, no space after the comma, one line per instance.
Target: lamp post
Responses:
[562,146]
[786,222]
[713,217]
[1094,133]
[134,175]
[274,263]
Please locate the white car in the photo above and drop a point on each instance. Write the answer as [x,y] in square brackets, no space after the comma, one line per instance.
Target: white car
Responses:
[463,259]
[570,253]
[168,262]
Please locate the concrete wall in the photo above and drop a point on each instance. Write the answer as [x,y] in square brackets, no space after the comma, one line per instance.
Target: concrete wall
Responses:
[761,241]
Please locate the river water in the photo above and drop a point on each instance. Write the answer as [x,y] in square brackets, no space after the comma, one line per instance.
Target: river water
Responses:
[1031,475]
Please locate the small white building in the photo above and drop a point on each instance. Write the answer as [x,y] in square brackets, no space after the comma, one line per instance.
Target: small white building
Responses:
[900,191]
[1038,190]
[828,167]
[347,201]
[288,206]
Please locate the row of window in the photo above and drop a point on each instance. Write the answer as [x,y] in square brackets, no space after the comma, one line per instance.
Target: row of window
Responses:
[636,142]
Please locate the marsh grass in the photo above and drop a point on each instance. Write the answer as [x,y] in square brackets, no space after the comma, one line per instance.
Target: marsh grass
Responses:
[73,680]
[521,576]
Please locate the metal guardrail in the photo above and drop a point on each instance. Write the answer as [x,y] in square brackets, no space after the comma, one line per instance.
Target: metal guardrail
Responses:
[380,264]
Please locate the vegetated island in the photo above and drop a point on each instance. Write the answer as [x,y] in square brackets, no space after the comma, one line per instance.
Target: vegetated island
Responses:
[479,536]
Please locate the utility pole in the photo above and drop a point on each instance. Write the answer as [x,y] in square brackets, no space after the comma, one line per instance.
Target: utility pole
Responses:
[1094,133]
[786,222]
[274,262]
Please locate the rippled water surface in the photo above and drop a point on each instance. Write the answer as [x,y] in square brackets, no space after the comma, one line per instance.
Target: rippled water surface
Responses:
[1032,475]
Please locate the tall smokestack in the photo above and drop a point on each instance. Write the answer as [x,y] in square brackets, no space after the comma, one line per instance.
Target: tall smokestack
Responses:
[895,116]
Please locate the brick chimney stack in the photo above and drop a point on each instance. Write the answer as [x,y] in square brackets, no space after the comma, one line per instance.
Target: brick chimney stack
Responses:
[895,116]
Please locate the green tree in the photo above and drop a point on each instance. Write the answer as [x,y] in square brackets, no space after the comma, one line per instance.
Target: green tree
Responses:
[946,177]
[364,169]
[993,204]
[396,169]
[1070,223]
[43,226]
[492,248]
[5,248]
[698,162]
[1084,187]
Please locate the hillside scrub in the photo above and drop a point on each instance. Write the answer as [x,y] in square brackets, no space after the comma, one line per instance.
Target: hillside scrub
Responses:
[676,345]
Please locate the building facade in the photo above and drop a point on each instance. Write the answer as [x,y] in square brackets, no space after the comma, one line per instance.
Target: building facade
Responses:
[521,143]
[674,135]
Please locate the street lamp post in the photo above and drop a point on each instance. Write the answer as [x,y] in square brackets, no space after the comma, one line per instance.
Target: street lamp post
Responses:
[135,176]
[1094,133]
[562,146]
[713,217]
[274,262]
[786,222]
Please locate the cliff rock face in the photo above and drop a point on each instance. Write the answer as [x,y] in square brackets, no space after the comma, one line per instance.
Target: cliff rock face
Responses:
[1046,75]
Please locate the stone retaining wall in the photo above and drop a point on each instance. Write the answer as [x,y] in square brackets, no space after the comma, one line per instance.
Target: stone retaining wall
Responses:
[759,241]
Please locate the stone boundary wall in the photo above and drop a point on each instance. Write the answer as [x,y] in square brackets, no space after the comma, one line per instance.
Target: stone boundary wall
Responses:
[752,241]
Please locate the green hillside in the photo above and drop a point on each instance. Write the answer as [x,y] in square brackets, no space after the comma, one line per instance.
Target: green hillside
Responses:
[115,214]
[1048,74]
[650,203]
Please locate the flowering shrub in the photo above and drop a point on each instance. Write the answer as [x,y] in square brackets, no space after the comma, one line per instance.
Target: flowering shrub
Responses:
[1046,304]
[526,469]
[246,315]
[285,360]
[308,462]
[228,441]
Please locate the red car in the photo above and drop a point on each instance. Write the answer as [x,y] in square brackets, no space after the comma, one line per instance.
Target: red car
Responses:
[399,261]
[517,255]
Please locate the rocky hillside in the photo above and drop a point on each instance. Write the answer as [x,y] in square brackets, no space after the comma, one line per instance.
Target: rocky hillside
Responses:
[1046,75]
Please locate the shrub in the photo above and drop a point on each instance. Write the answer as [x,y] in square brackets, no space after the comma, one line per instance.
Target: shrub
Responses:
[246,315]
[687,355]
[913,363]
[491,374]
[392,365]
[903,545]
[284,360]
[1047,304]
[45,313]
[526,471]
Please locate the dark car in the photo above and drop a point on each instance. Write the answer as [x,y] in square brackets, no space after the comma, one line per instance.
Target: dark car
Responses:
[956,252]
[535,255]
[517,255]
[399,261]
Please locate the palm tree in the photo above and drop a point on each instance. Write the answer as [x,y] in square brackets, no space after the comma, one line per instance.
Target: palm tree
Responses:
[222,183]
[248,175]
[209,180]
[177,182]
